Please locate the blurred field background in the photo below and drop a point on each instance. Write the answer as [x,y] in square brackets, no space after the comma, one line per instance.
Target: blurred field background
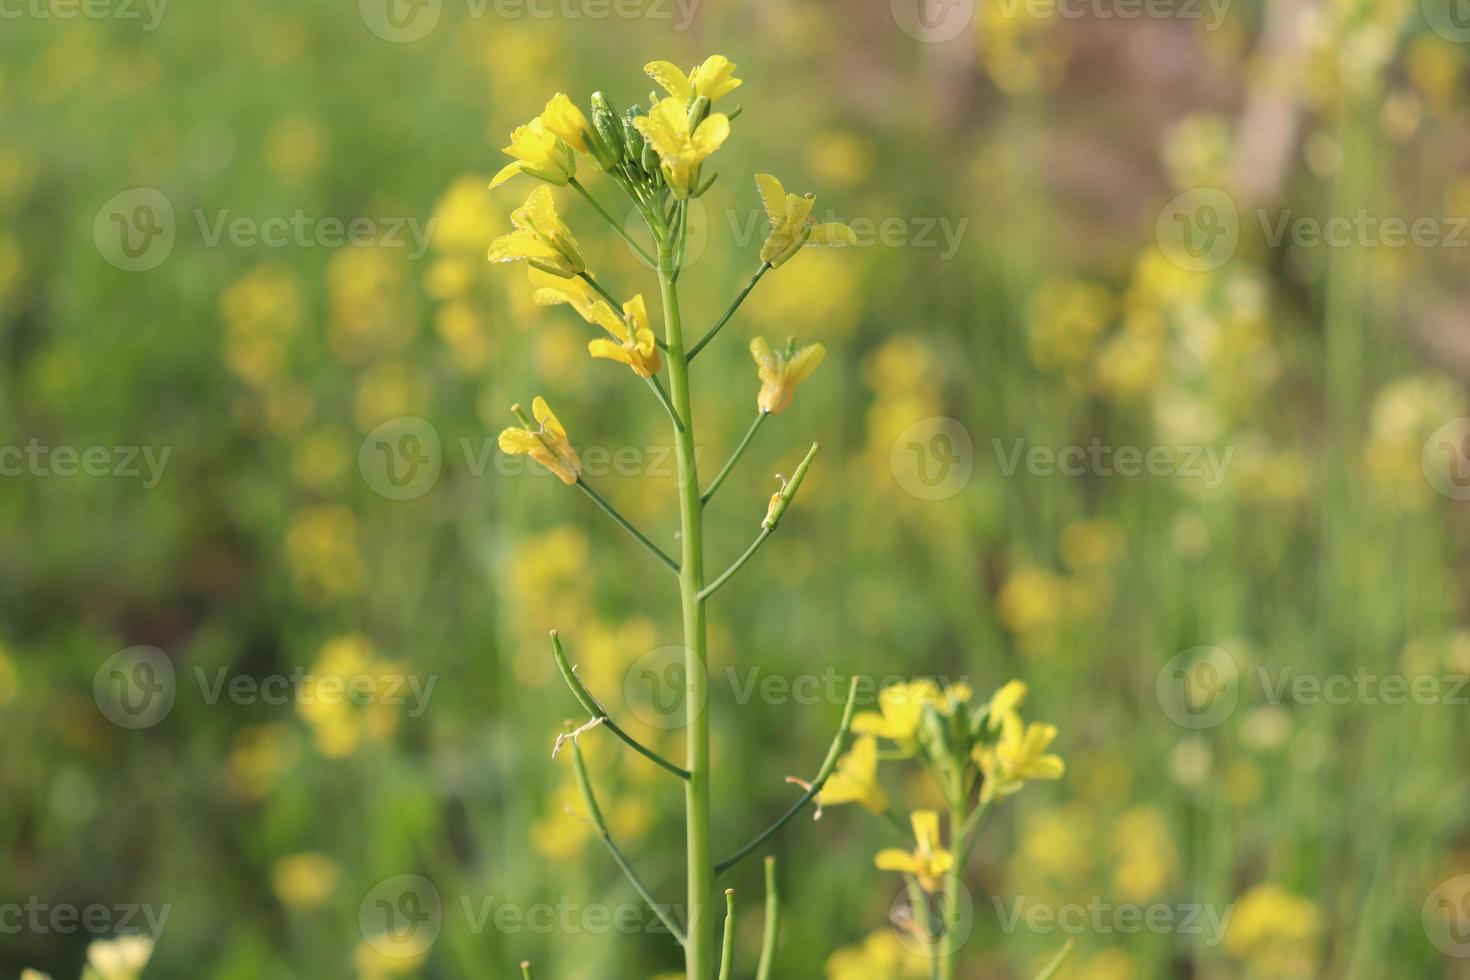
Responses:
[1054,144]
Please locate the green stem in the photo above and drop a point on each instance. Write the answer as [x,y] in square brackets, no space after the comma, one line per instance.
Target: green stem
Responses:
[729,573]
[601,290]
[637,249]
[623,523]
[949,948]
[727,951]
[663,397]
[699,951]
[526,970]
[739,451]
[693,351]
[590,705]
[834,752]
[772,931]
[595,812]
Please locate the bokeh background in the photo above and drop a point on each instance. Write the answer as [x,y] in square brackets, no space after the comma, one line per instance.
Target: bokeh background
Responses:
[1032,287]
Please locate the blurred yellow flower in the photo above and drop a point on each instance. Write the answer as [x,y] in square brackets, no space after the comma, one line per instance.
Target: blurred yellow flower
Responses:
[547,444]
[681,149]
[781,371]
[1017,756]
[878,957]
[541,238]
[1275,931]
[900,709]
[714,78]
[262,311]
[305,880]
[856,779]
[122,958]
[465,218]
[792,227]
[258,757]
[1031,600]
[928,861]
[1004,702]
[321,545]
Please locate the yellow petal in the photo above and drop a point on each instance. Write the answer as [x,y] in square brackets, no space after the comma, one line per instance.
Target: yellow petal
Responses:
[505,173]
[544,415]
[515,441]
[833,234]
[637,312]
[892,859]
[765,358]
[804,362]
[609,350]
[1047,767]
[519,244]
[868,723]
[715,78]
[669,78]
[926,830]
[710,134]
[773,196]
[565,120]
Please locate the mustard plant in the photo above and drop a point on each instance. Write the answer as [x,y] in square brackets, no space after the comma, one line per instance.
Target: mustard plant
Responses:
[659,158]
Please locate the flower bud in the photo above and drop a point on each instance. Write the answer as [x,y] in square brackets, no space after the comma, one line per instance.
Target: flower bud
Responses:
[609,130]
[698,111]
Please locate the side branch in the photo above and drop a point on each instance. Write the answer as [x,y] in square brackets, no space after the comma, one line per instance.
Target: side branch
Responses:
[735,457]
[590,705]
[779,503]
[612,222]
[829,764]
[765,266]
[596,813]
[772,930]
[622,522]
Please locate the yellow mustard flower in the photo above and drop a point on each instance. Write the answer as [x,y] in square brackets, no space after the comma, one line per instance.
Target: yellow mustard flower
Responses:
[879,955]
[305,880]
[547,444]
[562,118]
[791,223]
[900,709]
[541,238]
[781,371]
[1019,755]
[953,696]
[634,344]
[1004,702]
[927,862]
[122,958]
[713,79]
[856,779]
[29,974]
[681,149]
[576,293]
[538,152]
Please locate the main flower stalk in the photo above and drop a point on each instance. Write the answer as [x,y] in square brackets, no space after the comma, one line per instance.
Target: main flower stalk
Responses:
[699,952]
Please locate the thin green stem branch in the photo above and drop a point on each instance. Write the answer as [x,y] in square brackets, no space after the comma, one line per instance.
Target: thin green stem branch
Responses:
[526,970]
[771,934]
[729,573]
[596,710]
[601,290]
[623,523]
[663,397]
[694,351]
[727,951]
[595,812]
[735,457]
[829,764]
[949,947]
[613,222]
